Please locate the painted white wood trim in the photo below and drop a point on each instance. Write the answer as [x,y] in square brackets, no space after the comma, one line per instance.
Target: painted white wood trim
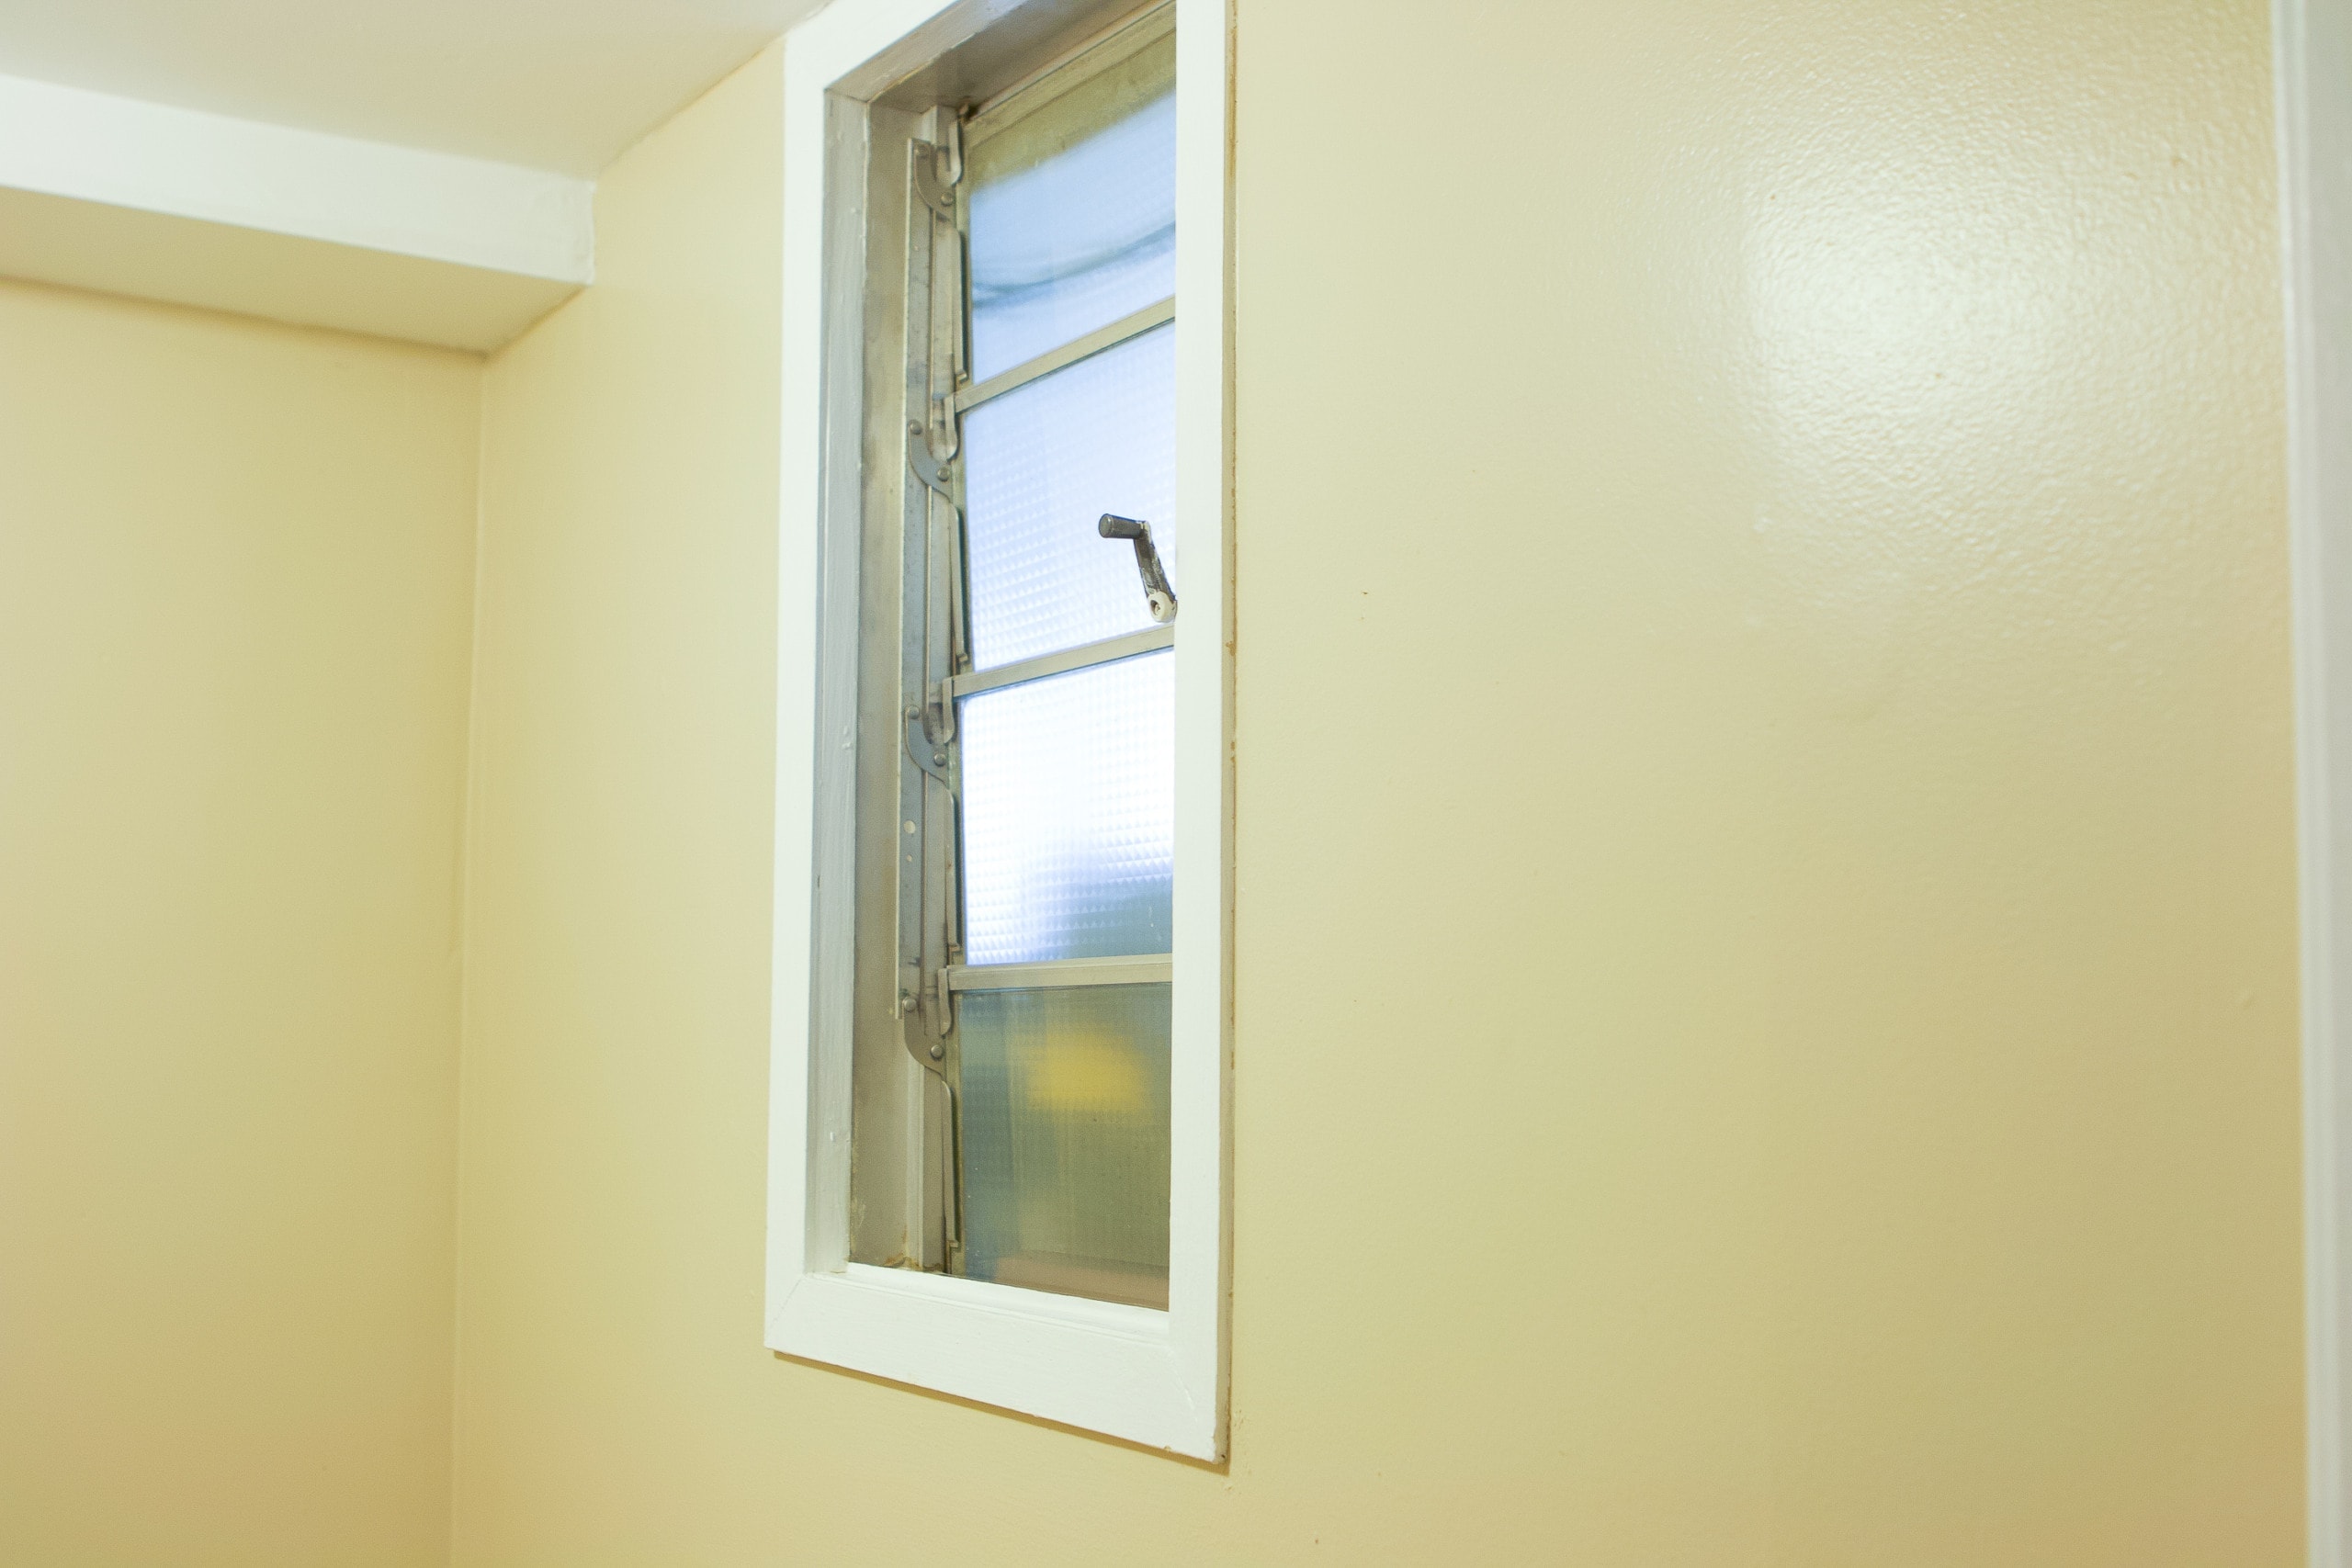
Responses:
[84,146]
[1200,1192]
[1157,1379]
[1103,1367]
[2313,39]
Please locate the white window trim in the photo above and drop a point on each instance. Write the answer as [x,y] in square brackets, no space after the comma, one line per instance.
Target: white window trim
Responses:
[1153,1378]
[2313,40]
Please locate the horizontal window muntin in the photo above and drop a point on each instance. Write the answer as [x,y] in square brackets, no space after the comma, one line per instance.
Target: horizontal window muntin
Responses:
[1040,463]
[1068,814]
[1128,969]
[1071,353]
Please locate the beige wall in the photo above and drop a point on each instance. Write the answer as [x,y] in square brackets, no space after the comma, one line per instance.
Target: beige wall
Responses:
[1767,989]
[1765,1017]
[1765,985]
[615,1405]
[234,594]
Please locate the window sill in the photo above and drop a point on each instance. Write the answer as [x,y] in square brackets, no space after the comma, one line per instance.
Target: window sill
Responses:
[1097,1365]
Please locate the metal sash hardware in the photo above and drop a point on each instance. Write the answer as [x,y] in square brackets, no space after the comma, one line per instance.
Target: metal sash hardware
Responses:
[1155,592]
[933,639]
[938,169]
[933,650]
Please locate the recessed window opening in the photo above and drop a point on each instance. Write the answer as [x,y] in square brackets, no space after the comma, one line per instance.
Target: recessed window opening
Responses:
[1021,589]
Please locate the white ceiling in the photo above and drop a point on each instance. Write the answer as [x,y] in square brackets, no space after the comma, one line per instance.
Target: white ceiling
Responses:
[560,84]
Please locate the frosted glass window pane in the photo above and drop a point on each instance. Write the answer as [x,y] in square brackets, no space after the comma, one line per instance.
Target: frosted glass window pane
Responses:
[1041,467]
[1069,814]
[1066,1140]
[1073,214]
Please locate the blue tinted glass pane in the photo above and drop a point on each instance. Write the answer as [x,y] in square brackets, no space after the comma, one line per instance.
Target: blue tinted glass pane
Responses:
[1064,1122]
[1042,465]
[1069,814]
[1062,246]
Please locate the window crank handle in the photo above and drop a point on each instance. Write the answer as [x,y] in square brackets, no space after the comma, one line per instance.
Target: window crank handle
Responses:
[1155,592]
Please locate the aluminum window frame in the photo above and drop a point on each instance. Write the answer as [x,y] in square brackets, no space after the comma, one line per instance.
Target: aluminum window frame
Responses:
[1142,1375]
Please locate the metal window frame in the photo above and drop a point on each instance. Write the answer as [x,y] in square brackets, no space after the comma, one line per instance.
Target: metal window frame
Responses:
[1154,1378]
[1150,318]
[906,1160]
[910,656]
[1085,656]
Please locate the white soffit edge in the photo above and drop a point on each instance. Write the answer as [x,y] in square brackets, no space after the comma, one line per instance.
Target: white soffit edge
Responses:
[129,197]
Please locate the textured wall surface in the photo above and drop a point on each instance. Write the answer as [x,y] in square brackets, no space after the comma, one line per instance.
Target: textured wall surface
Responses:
[1801,1021]
[615,1403]
[1765,981]
[235,579]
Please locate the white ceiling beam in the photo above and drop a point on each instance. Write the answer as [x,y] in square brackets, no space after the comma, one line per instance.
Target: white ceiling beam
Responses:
[132,198]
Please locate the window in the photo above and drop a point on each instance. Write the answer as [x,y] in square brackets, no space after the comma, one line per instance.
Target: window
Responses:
[997,1134]
[1016,776]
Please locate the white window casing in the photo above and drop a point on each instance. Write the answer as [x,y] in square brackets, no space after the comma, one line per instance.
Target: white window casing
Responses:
[1149,1377]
